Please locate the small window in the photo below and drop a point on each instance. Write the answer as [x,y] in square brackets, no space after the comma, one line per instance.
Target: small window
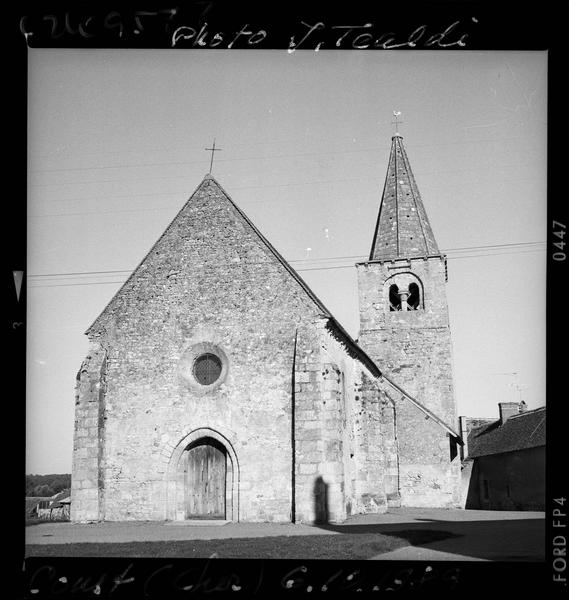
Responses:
[486,489]
[508,490]
[207,368]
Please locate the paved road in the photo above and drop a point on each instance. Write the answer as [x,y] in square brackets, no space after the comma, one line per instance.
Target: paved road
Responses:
[478,535]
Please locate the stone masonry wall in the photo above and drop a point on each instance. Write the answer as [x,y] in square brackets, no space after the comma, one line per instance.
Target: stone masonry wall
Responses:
[86,482]
[413,348]
[145,424]
[340,434]
[370,496]
[208,282]
[388,420]
[319,419]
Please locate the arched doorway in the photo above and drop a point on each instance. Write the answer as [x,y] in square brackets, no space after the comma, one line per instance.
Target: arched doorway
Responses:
[205,480]
[202,444]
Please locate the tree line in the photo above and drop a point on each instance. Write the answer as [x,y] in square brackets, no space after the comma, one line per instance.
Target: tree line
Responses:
[47,485]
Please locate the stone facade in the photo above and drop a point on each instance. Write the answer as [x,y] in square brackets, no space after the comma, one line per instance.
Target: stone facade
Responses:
[404,328]
[305,428]
[87,484]
[414,347]
[280,407]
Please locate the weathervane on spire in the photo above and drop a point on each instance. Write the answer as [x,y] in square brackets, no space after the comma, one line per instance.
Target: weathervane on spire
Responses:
[396,114]
[212,149]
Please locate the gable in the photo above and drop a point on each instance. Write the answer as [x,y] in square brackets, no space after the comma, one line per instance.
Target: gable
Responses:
[211,245]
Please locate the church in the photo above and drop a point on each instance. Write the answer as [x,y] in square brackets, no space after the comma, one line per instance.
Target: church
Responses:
[218,385]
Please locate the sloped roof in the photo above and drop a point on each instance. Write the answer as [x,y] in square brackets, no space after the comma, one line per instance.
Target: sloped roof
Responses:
[361,355]
[58,503]
[429,413]
[403,229]
[210,185]
[60,497]
[519,432]
[32,502]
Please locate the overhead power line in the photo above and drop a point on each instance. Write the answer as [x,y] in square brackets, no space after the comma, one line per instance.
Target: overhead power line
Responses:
[297,260]
[160,177]
[39,280]
[247,145]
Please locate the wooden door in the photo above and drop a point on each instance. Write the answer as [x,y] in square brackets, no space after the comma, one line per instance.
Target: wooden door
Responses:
[205,482]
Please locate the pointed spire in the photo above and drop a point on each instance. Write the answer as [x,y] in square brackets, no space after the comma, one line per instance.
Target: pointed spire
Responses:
[403,229]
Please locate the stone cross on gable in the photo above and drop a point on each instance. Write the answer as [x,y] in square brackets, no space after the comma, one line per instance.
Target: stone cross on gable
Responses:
[212,149]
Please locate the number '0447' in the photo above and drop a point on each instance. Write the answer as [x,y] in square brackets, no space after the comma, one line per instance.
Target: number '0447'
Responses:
[559,231]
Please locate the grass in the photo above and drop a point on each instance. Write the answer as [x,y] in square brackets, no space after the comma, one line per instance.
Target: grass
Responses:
[337,547]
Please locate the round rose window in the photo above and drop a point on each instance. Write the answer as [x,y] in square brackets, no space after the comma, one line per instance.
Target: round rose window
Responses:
[207,368]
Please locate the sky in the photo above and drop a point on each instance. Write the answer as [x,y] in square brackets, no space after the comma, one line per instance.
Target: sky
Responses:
[116,146]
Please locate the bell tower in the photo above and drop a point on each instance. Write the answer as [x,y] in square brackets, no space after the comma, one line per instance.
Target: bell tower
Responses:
[404,327]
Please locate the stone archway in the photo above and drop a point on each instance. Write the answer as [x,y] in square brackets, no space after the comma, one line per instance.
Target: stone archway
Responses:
[176,509]
[403,291]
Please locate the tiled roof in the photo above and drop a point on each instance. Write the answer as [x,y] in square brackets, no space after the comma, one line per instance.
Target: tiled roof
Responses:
[526,430]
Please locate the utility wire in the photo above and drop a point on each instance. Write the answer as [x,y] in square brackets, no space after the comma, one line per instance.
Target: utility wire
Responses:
[169,208]
[248,145]
[197,162]
[296,260]
[125,273]
[160,177]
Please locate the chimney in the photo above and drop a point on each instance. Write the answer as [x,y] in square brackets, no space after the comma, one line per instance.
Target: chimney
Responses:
[507,410]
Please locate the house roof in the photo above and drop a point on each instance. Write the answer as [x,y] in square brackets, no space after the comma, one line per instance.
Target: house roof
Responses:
[519,432]
[32,502]
[58,503]
[403,229]
[60,497]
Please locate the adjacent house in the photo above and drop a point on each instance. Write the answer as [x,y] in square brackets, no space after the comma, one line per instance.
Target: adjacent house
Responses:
[504,459]
[55,507]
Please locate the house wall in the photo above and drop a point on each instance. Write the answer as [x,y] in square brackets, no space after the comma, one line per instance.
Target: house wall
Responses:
[466,425]
[516,481]
[60,513]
